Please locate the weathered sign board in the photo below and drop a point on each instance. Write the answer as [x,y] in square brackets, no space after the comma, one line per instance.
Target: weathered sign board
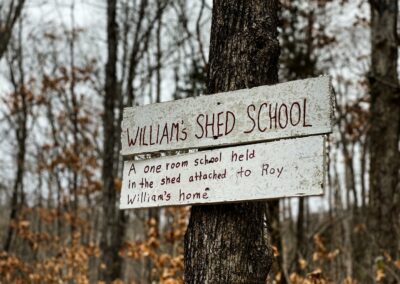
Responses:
[291,167]
[293,109]
[301,110]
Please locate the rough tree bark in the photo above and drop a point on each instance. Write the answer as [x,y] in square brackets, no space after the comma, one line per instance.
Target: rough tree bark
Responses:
[384,132]
[227,243]
[112,227]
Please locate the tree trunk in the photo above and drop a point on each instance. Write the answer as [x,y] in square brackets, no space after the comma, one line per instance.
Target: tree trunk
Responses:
[384,132]
[276,240]
[21,134]
[112,227]
[300,238]
[18,189]
[6,26]
[227,243]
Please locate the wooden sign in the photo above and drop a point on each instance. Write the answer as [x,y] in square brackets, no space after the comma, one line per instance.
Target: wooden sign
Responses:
[291,167]
[293,109]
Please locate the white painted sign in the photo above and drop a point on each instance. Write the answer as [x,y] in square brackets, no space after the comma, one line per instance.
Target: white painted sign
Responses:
[293,109]
[291,167]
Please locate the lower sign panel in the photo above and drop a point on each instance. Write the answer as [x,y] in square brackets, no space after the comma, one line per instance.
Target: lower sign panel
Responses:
[293,167]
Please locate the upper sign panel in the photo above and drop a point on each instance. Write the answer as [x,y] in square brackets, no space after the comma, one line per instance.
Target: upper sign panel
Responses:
[293,109]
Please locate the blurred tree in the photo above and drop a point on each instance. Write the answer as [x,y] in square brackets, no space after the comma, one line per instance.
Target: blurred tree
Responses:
[112,231]
[20,104]
[384,208]
[7,21]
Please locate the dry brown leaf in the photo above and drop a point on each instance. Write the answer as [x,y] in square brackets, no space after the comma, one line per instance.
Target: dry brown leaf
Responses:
[379,275]
[302,263]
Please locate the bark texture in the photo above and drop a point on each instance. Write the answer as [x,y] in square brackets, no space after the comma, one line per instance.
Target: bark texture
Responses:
[384,131]
[227,243]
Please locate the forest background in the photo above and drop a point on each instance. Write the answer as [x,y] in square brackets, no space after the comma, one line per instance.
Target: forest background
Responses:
[69,67]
